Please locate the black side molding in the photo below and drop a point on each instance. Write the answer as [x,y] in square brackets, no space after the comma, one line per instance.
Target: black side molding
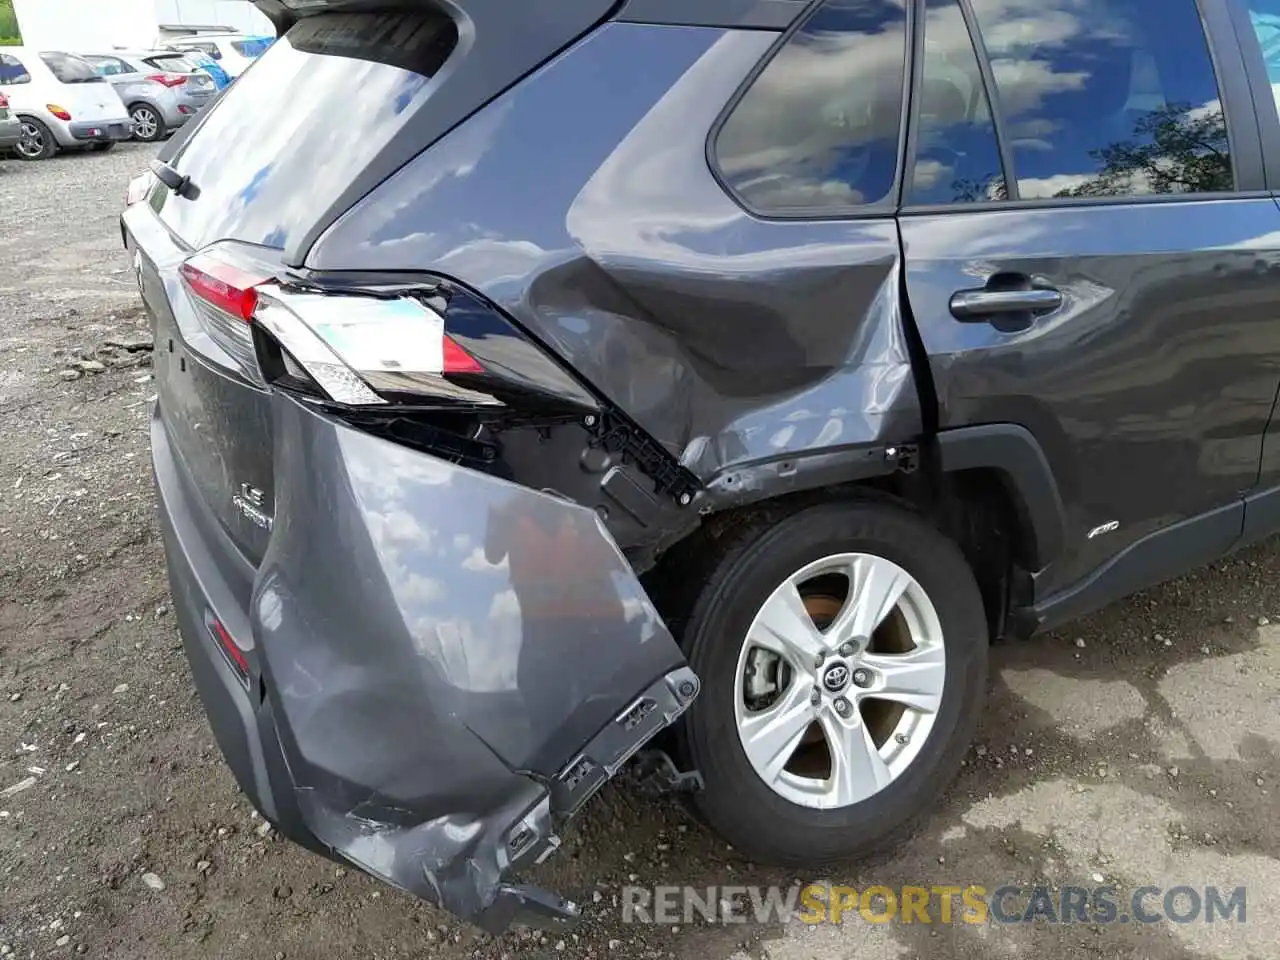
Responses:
[1261,516]
[1162,555]
[1013,452]
[733,14]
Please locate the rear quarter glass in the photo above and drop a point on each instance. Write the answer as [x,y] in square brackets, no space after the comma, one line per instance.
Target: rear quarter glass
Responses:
[290,135]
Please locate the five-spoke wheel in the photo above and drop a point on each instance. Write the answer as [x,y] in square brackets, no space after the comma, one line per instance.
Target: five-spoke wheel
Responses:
[843,653]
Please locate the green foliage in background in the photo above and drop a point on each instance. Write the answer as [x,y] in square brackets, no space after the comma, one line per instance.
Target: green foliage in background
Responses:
[9,35]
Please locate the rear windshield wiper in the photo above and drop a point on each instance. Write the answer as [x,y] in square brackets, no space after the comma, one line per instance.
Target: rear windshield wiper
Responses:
[171,178]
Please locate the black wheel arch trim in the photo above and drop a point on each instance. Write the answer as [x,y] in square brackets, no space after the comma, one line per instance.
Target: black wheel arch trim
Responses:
[1013,452]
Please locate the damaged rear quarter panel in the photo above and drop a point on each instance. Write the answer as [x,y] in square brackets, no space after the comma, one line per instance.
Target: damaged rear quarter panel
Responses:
[409,608]
[583,203]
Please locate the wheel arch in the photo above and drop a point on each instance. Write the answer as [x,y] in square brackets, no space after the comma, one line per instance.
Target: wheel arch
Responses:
[1009,456]
[989,488]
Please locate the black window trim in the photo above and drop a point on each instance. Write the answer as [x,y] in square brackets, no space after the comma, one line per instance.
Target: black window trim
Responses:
[985,70]
[1266,111]
[1246,162]
[989,88]
[881,209]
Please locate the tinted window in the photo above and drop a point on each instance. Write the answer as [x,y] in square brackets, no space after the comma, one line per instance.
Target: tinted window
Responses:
[70,69]
[957,154]
[818,130]
[12,71]
[109,66]
[1107,97]
[255,156]
[176,63]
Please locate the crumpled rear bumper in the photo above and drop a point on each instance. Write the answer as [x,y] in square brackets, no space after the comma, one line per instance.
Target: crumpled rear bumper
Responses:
[416,704]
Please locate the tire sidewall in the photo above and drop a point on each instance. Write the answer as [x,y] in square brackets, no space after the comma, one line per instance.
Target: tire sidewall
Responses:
[720,624]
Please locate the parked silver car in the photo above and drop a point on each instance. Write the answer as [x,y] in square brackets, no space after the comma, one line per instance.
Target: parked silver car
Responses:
[162,90]
[10,127]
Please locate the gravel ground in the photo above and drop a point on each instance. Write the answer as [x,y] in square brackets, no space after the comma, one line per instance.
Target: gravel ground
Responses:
[1139,747]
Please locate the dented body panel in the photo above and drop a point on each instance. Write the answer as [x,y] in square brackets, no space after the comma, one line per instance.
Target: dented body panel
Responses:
[423,699]
[747,348]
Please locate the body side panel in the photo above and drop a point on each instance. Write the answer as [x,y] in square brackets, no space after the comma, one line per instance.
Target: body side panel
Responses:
[582,203]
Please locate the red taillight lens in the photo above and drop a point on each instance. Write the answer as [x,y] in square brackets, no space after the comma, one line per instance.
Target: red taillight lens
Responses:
[223,285]
[60,112]
[169,79]
[457,360]
[4,102]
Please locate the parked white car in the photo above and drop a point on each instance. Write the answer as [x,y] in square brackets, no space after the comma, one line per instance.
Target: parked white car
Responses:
[234,52]
[61,102]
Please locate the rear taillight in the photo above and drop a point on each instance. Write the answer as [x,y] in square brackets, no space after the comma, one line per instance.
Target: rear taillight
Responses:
[223,284]
[4,102]
[365,350]
[58,111]
[224,290]
[169,79]
[430,347]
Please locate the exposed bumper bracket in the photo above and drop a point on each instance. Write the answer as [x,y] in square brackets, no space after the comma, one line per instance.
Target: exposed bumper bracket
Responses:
[655,774]
[655,709]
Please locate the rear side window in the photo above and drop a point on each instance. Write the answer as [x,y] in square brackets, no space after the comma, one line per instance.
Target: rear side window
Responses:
[1107,98]
[70,69]
[251,48]
[817,132]
[957,156]
[110,66]
[210,48]
[292,134]
[12,71]
[174,64]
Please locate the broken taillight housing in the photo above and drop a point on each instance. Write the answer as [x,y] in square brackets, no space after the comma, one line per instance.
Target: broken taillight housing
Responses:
[139,187]
[433,345]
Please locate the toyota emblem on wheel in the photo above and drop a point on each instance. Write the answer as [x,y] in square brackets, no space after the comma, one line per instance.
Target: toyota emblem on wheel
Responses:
[836,677]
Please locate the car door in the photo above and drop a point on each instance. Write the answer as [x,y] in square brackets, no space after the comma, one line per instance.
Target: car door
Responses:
[1091,255]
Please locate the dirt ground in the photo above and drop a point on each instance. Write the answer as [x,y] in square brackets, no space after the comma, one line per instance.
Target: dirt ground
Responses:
[1139,747]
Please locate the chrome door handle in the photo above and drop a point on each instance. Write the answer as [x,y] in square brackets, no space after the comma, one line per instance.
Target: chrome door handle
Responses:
[980,304]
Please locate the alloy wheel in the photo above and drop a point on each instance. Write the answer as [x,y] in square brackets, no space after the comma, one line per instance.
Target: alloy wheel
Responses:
[31,144]
[839,680]
[145,123]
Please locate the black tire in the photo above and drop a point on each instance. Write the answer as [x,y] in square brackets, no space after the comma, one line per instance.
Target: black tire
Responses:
[37,141]
[760,823]
[147,118]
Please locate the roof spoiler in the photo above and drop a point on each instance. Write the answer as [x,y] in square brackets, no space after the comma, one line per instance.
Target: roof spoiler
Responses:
[283,14]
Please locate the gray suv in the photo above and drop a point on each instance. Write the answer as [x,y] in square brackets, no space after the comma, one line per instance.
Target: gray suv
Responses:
[694,390]
[161,89]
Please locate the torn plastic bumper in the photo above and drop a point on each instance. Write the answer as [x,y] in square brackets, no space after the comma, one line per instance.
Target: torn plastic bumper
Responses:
[422,697]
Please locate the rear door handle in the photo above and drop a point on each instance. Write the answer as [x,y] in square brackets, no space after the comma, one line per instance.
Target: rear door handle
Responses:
[981,304]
